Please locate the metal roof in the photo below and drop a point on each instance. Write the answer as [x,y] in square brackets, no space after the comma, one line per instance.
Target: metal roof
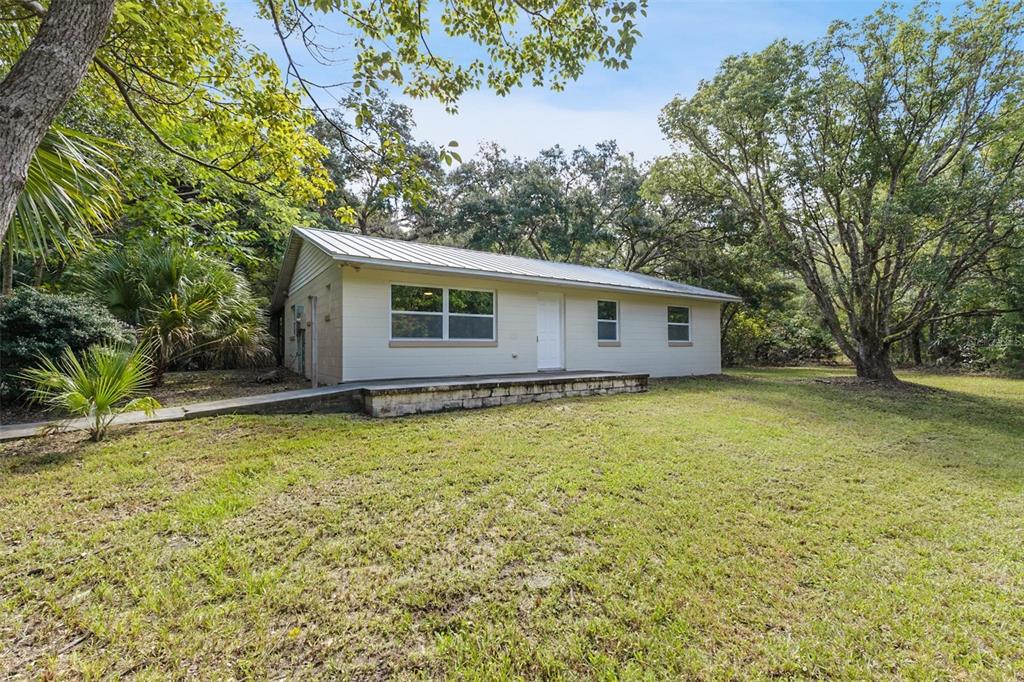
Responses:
[347,247]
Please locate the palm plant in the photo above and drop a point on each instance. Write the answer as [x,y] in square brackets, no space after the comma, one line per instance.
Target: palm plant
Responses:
[190,307]
[71,189]
[107,380]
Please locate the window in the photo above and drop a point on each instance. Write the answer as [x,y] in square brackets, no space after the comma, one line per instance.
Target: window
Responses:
[607,321]
[417,312]
[440,314]
[678,324]
[470,314]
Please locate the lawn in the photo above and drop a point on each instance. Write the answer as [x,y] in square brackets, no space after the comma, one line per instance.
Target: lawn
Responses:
[761,524]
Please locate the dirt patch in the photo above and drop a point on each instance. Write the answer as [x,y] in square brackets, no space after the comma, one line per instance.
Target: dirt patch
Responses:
[183,388]
[869,385]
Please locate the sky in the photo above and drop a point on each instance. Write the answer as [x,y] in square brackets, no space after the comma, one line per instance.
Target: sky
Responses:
[683,41]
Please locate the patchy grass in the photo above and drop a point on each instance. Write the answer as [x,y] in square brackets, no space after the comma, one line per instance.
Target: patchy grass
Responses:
[756,525]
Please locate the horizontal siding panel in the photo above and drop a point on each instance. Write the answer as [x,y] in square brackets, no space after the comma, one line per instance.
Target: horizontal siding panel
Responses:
[311,262]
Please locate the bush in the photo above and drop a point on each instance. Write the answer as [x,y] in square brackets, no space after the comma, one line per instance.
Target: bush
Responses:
[33,323]
[776,338]
[193,308]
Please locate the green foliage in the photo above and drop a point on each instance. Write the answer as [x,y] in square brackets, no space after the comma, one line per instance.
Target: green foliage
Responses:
[585,206]
[108,379]
[180,72]
[191,308]
[775,337]
[882,163]
[382,176]
[71,189]
[987,342]
[182,75]
[34,324]
[189,75]
[540,42]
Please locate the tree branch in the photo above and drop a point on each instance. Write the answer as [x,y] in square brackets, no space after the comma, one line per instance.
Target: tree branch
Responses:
[124,90]
[33,7]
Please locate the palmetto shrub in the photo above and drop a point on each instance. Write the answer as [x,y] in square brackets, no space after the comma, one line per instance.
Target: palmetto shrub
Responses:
[106,380]
[191,308]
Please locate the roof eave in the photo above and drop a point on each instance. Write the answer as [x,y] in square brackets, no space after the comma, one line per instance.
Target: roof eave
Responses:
[469,272]
[284,276]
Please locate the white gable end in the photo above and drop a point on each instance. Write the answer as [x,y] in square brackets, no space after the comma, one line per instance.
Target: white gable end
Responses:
[311,262]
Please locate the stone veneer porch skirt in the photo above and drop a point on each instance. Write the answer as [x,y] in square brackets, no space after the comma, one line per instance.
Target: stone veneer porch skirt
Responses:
[412,396]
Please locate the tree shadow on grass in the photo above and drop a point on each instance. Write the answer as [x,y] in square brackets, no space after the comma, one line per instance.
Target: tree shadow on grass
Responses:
[51,451]
[944,411]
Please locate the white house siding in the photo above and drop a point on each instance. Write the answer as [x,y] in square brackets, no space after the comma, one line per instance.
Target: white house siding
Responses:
[311,262]
[643,331]
[366,298]
[326,285]
[643,335]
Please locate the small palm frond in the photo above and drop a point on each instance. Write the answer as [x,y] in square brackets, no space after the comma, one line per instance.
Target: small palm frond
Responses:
[106,380]
[70,191]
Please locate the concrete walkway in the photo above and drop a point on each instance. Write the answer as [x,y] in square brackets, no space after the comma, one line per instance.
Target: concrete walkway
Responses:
[345,397]
[302,400]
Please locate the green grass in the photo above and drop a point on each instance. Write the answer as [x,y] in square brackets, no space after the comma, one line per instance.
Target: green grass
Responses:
[758,525]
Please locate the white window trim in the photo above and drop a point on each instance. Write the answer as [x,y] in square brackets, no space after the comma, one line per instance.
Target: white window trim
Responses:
[618,314]
[689,330]
[445,315]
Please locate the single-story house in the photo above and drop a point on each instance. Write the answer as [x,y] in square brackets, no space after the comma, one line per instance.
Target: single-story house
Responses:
[350,307]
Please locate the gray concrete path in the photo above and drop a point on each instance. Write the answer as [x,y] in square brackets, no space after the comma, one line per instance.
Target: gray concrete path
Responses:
[247,404]
[322,399]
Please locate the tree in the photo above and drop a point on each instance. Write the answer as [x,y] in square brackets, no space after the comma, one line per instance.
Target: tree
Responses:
[881,163]
[384,179]
[41,82]
[586,206]
[70,190]
[185,77]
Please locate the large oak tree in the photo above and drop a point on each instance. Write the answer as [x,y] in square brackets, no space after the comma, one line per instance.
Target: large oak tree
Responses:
[883,163]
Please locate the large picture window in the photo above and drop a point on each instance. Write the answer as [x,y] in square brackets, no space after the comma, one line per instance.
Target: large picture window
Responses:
[678,324]
[439,314]
[607,321]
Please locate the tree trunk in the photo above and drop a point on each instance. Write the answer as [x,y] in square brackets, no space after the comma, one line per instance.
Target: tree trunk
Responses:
[915,345]
[724,331]
[42,81]
[38,270]
[8,268]
[872,362]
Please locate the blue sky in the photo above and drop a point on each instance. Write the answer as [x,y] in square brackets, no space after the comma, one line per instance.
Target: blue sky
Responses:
[683,41]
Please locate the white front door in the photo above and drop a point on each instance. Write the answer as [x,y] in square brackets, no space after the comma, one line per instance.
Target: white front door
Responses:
[549,331]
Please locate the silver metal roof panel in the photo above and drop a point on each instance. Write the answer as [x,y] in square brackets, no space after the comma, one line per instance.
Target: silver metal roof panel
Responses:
[395,253]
